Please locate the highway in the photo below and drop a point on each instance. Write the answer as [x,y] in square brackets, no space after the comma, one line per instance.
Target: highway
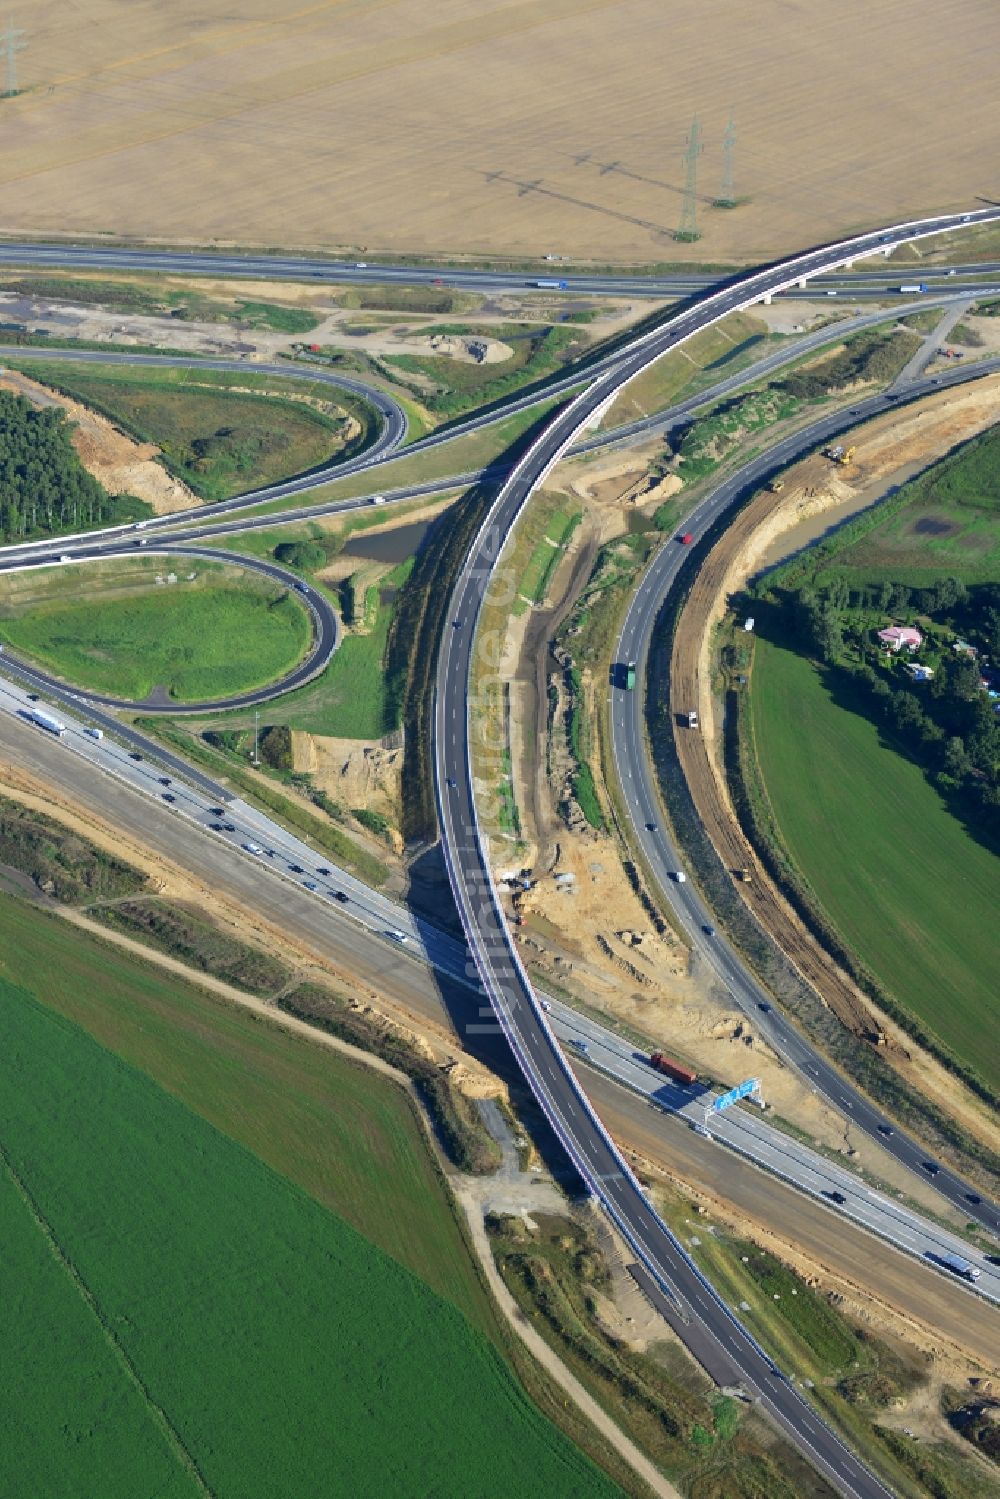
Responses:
[230,517]
[711,1331]
[650,833]
[334,271]
[709,1327]
[214,825]
[325,622]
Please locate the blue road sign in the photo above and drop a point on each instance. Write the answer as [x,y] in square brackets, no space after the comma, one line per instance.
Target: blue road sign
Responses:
[751,1085]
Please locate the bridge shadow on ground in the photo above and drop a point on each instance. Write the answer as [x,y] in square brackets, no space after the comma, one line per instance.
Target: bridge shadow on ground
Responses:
[478,1029]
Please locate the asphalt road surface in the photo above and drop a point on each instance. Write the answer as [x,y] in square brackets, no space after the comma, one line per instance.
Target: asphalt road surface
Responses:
[657,1116]
[707,1325]
[724,1346]
[678,283]
[637,779]
[204,828]
[326,637]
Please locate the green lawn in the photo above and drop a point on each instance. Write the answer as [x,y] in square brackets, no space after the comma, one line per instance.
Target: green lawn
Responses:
[207,1313]
[222,434]
[202,641]
[351,698]
[942,523]
[910,891]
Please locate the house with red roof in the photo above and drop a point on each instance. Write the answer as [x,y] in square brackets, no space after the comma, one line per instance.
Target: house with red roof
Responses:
[901,637]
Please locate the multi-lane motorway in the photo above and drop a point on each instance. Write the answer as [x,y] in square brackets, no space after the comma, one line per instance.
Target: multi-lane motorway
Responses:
[217,826]
[637,780]
[708,1327]
[711,1330]
[680,283]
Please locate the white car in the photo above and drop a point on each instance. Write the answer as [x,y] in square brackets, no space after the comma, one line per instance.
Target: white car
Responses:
[398,936]
[680,877]
[252,848]
[377,499]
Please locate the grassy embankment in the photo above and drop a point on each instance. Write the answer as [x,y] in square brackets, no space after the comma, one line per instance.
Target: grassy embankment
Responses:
[450,387]
[158,298]
[170,1263]
[711,355]
[221,434]
[74,872]
[203,639]
[462,455]
[900,878]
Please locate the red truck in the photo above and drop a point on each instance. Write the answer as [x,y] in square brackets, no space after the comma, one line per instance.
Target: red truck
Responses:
[673,1069]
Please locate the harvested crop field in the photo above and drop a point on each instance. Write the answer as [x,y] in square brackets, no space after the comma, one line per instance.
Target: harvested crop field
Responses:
[496,125]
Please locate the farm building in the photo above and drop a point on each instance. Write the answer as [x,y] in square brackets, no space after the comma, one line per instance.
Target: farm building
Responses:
[898,637]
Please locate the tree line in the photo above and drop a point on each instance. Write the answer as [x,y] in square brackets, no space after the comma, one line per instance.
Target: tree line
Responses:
[44,488]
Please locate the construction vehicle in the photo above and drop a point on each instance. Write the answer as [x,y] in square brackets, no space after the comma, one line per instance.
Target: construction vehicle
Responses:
[839,454]
[743,875]
[776,486]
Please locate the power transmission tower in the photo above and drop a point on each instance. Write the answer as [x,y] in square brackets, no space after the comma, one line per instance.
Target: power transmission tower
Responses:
[688,230]
[727,197]
[11,47]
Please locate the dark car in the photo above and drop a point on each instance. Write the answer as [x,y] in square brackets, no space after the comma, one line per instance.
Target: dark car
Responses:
[931,1167]
[32,697]
[974,1198]
[229,827]
[164,780]
[296,869]
[168,796]
[339,895]
[651,827]
[452,782]
[885,1129]
[217,827]
[135,755]
[835,1196]
[323,870]
[708,929]
[217,811]
[763,1005]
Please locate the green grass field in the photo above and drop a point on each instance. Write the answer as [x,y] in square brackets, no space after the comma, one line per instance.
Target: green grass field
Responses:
[350,699]
[721,351]
[943,523]
[909,890]
[208,1314]
[221,434]
[202,641]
